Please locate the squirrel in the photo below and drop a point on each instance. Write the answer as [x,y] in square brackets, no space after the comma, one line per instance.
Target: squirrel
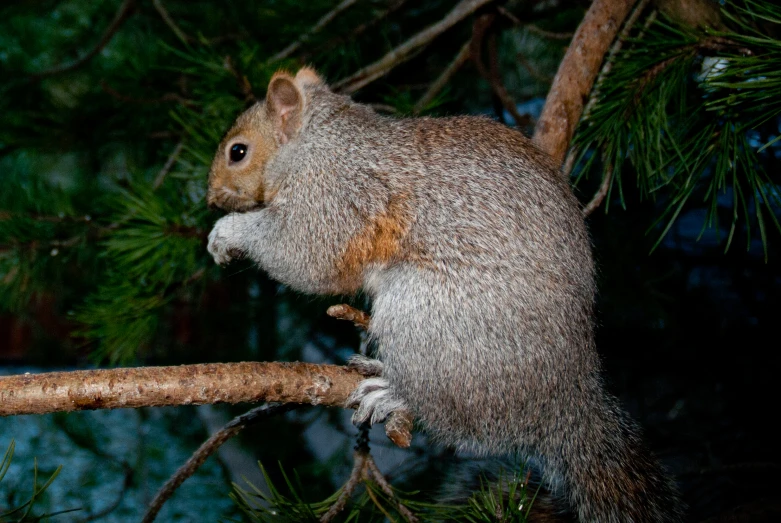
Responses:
[475,255]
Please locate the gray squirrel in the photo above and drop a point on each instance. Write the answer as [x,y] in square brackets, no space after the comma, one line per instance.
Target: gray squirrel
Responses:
[473,250]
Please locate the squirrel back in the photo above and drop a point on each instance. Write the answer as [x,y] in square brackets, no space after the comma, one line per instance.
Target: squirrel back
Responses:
[474,252]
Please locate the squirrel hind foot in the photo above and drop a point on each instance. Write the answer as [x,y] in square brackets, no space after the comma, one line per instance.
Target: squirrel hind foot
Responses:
[374,400]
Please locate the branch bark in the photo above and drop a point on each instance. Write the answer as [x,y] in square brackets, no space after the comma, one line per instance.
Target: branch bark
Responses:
[328,385]
[576,75]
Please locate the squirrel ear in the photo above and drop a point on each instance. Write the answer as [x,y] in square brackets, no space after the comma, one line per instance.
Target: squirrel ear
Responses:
[308,76]
[285,104]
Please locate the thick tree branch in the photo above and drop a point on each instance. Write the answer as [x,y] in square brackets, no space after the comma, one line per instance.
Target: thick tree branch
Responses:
[328,385]
[576,75]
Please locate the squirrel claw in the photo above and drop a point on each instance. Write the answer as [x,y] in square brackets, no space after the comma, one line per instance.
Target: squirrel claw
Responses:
[374,400]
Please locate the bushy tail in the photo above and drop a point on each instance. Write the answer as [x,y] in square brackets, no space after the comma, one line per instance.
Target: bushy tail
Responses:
[613,478]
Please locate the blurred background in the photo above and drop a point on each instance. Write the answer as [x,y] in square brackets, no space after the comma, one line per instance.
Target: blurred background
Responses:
[111,112]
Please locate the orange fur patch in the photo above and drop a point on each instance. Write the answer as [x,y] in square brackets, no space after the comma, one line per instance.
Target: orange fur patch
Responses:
[378,242]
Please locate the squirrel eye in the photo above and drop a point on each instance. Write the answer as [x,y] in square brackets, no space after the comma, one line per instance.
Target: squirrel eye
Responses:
[238,152]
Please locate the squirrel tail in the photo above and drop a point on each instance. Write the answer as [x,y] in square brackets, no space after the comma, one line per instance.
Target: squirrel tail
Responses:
[617,479]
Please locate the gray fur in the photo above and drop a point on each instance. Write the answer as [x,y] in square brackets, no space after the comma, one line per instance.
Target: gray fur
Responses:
[483,315]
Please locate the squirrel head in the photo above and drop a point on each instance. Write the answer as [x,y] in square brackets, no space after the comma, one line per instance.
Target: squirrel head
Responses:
[237,179]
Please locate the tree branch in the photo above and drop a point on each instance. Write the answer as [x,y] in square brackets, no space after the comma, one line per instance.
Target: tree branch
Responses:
[123,13]
[328,385]
[442,80]
[407,50]
[325,20]
[482,30]
[576,75]
[207,448]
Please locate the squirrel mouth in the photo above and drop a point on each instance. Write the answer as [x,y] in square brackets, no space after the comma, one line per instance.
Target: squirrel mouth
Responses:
[228,200]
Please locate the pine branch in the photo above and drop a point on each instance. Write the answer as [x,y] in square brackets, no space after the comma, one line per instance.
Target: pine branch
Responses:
[576,75]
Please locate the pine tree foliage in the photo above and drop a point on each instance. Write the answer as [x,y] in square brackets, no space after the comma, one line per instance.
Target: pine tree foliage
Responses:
[507,499]
[694,114]
[24,511]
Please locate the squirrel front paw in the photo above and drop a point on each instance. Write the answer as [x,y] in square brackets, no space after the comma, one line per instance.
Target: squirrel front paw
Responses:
[222,245]
[374,400]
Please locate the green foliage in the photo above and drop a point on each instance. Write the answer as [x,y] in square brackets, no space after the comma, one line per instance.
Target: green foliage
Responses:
[24,510]
[505,499]
[693,113]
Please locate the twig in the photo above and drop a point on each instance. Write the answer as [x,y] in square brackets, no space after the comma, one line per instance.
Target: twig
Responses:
[168,164]
[405,51]
[480,30]
[123,13]
[325,20]
[458,61]
[364,470]
[357,474]
[181,35]
[531,27]
[549,34]
[244,84]
[533,72]
[346,312]
[111,507]
[599,196]
[168,97]
[576,75]
[207,448]
[357,31]
[377,476]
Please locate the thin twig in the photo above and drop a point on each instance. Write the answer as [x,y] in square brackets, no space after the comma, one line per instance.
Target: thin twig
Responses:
[481,30]
[181,35]
[167,97]
[357,31]
[168,164]
[533,28]
[375,474]
[356,475]
[123,13]
[345,312]
[599,196]
[208,448]
[549,34]
[244,84]
[325,20]
[533,72]
[437,85]
[405,51]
